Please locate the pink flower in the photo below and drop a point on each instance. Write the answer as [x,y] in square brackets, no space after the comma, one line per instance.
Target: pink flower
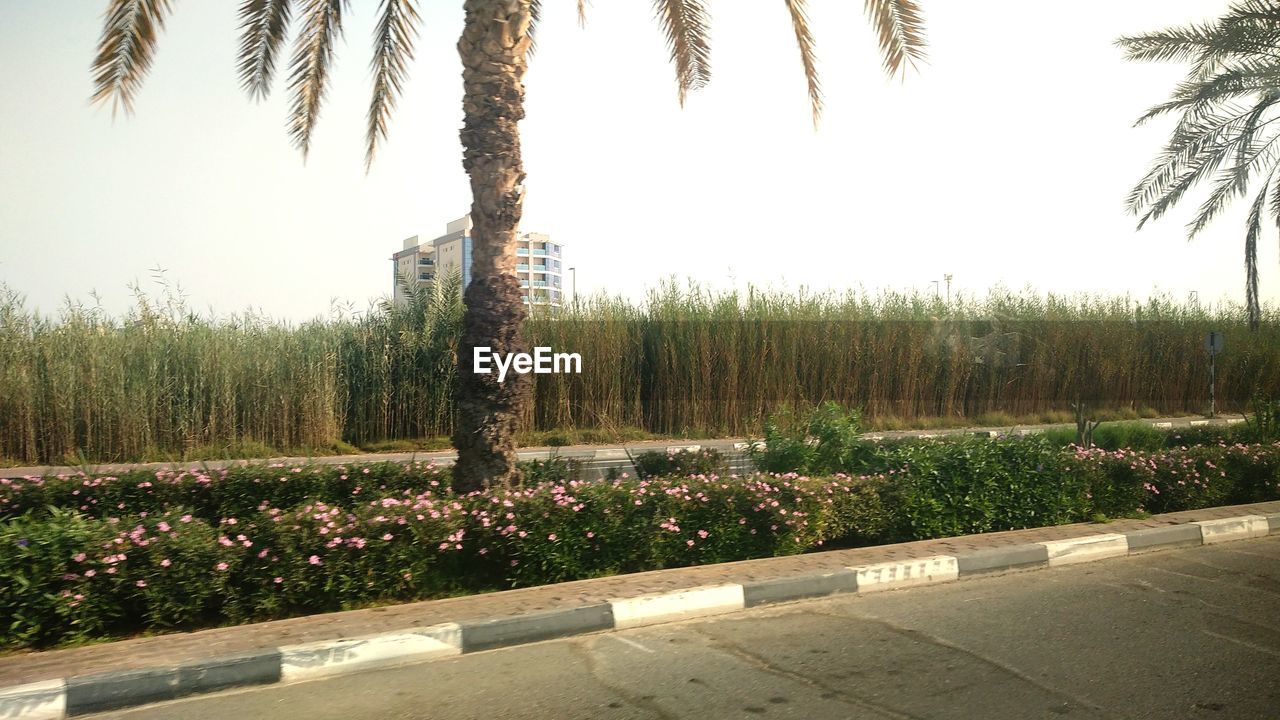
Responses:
[165,562]
[141,583]
[222,566]
[703,534]
[551,537]
[386,536]
[79,557]
[278,580]
[314,560]
[689,543]
[590,534]
[90,573]
[163,527]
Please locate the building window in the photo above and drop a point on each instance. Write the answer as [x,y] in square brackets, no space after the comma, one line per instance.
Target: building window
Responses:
[424,276]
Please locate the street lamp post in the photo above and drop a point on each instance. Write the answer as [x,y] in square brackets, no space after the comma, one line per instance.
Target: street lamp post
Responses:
[573,280]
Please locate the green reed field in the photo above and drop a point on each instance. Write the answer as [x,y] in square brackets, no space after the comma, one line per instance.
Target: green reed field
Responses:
[163,382]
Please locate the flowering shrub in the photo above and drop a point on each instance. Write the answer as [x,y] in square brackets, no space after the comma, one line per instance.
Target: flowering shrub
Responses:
[656,463]
[185,550]
[214,494]
[67,575]
[1123,481]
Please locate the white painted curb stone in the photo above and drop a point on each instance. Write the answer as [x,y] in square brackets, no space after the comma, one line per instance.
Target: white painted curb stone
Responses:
[1086,549]
[919,571]
[324,659]
[1236,528]
[35,701]
[696,602]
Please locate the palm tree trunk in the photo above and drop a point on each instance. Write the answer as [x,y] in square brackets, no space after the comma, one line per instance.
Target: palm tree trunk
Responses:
[494,46]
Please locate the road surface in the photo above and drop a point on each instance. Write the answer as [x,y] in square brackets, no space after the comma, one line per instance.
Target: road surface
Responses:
[1183,634]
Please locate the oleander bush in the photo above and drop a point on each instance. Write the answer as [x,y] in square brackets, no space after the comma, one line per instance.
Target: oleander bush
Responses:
[660,463]
[85,557]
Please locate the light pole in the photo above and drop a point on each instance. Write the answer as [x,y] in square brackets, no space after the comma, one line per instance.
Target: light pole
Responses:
[573,280]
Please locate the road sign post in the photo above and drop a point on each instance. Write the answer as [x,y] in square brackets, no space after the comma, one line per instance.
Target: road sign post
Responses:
[1213,344]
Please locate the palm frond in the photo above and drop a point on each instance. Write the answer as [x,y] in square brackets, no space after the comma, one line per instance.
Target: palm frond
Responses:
[535,14]
[309,73]
[1233,83]
[1187,44]
[685,23]
[264,25]
[1197,95]
[392,47]
[125,50]
[1199,146]
[582,13]
[1234,181]
[804,39]
[900,25]
[1253,229]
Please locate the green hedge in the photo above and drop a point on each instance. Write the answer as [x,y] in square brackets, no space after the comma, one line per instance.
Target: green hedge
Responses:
[190,550]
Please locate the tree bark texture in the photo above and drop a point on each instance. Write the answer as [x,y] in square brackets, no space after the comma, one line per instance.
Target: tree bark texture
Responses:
[494,49]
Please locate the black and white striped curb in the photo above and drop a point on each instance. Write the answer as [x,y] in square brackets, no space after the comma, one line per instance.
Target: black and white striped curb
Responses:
[56,699]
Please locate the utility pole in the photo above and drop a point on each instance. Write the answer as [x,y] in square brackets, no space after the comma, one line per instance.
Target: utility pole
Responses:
[573,279]
[947,277]
[1213,345]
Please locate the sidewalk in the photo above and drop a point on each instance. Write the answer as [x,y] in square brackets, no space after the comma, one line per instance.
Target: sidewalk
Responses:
[599,455]
[168,651]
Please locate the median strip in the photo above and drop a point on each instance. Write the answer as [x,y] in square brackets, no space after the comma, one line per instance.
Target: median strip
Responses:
[55,699]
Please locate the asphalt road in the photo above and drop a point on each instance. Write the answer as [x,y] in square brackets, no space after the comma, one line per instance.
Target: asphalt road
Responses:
[1173,635]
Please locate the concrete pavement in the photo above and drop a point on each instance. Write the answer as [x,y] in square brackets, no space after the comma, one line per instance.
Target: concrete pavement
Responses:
[1188,633]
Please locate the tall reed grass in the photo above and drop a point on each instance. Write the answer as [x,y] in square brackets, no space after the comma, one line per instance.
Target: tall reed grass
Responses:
[163,380]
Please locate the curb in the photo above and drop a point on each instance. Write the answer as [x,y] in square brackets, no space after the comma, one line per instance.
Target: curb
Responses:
[69,697]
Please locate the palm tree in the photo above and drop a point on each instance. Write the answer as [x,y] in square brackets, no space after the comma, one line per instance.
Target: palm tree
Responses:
[1225,134]
[496,41]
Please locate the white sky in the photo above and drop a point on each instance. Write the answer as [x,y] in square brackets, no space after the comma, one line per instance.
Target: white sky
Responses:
[1005,160]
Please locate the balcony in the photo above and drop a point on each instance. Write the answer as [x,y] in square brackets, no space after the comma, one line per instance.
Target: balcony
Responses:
[426,261]
[541,267]
[522,267]
[522,251]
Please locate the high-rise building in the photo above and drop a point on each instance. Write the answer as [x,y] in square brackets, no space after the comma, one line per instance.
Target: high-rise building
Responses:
[540,264]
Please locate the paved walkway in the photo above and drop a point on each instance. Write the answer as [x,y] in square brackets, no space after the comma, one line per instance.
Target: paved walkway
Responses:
[602,455]
[174,649]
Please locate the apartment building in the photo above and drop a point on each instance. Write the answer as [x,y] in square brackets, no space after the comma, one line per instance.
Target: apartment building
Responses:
[540,264]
